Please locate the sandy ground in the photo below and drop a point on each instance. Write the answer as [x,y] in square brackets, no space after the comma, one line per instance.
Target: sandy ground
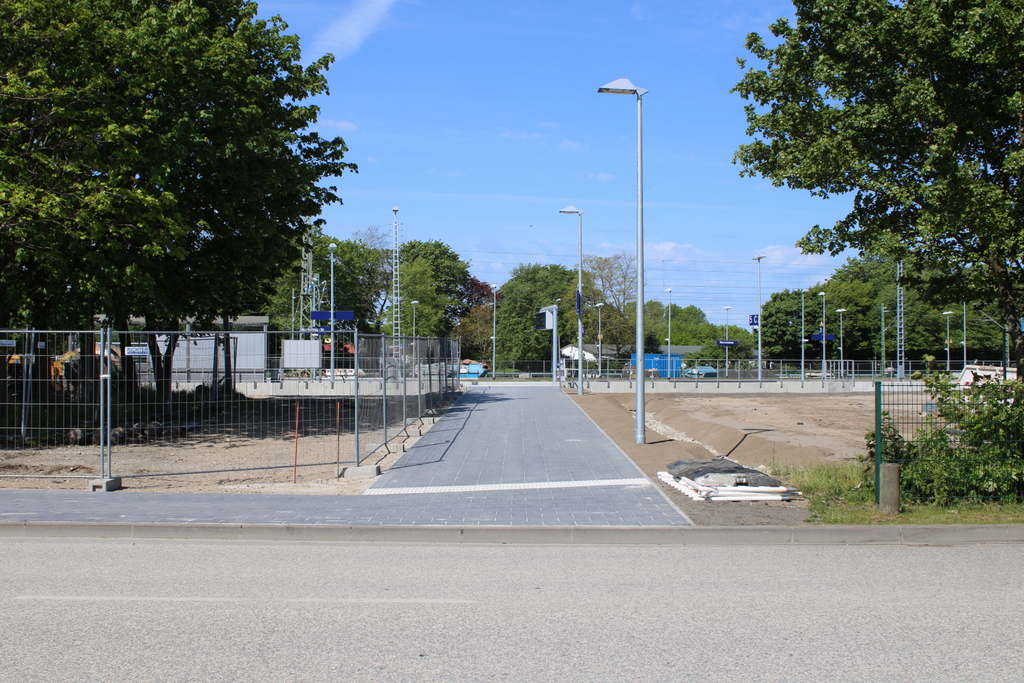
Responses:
[757,430]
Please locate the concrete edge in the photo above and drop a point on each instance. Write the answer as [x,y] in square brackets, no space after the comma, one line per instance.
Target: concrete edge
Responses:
[935,535]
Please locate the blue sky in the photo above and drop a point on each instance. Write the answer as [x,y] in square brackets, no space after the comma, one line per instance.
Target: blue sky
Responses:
[480,120]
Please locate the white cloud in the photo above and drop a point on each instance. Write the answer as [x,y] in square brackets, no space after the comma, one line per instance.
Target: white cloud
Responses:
[601,177]
[569,144]
[344,36]
[340,125]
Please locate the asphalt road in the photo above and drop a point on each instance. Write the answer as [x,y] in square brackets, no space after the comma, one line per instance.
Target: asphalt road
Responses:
[102,610]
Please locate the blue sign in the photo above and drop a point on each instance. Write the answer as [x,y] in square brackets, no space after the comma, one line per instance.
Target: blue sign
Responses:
[828,337]
[338,315]
[755,320]
[727,342]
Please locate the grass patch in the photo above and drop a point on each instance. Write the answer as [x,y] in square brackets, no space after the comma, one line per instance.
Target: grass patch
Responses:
[837,494]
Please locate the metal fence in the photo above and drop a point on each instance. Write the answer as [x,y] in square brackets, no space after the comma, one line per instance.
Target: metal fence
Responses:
[735,368]
[952,444]
[101,403]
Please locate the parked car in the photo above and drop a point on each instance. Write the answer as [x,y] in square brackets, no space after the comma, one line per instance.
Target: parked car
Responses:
[701,371]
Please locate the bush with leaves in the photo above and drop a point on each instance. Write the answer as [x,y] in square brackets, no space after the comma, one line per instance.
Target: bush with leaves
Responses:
[970,448]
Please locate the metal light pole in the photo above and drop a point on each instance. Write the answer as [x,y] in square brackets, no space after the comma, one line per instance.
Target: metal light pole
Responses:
[823,341]
[803,336]
[669,340]
[842,369]
[334,342]
[759,321]
[600,340]
[622,86]
[414,305]
[727,309]
[579,304]
[946,314]
[494,329]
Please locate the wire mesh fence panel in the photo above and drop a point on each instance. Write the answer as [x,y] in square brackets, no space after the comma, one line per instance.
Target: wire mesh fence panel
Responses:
[136,404]
[955,442]
[50,410]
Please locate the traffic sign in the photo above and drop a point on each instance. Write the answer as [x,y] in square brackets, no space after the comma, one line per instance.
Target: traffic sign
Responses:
[727,342]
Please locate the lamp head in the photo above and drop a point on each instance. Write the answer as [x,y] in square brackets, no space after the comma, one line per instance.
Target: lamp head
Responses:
[570,209]
[622,86]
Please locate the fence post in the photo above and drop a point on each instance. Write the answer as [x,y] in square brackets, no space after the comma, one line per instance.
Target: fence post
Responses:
[384,383]
[878,443]
[355,374]
[889,498]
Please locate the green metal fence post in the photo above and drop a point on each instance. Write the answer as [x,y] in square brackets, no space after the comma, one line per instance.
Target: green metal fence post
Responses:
[878,443]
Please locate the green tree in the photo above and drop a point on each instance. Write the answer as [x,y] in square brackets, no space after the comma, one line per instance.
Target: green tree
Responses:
[917,109]
[155,159]
[450,275]
[612,280]
[530,288]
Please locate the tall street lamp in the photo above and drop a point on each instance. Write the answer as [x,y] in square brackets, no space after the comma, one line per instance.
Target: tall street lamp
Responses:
[759,321]
[803,336]
[727,309]
[622,86]
[946,314]
[842,370]
[669,340]
[414,305]
[579,304]
[600,339]
[332,247]
[823,340]
[494,329]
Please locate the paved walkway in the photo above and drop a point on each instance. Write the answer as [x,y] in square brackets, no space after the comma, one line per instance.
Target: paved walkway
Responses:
[515,456]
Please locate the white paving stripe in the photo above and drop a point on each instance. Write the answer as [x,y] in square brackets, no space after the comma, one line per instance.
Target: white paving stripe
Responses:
[519,486]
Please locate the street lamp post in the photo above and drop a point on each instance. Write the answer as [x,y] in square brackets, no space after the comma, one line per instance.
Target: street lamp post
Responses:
[414,305]
[823,340]
[759,321]
[803,336]
[334,341]
[600,340]
[946,314]
[669,340]
[622,86]
[842,369]
[727,309]
[579,304]
[494,329]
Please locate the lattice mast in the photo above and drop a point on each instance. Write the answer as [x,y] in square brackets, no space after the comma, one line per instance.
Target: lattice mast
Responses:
[396,282]
[310,285]
[900,336]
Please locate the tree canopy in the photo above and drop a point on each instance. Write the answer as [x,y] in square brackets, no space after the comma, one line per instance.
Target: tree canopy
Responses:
[917,109]
[532,287]
[155,159]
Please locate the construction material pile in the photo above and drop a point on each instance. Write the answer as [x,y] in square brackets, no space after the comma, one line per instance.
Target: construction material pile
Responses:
[725,480]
